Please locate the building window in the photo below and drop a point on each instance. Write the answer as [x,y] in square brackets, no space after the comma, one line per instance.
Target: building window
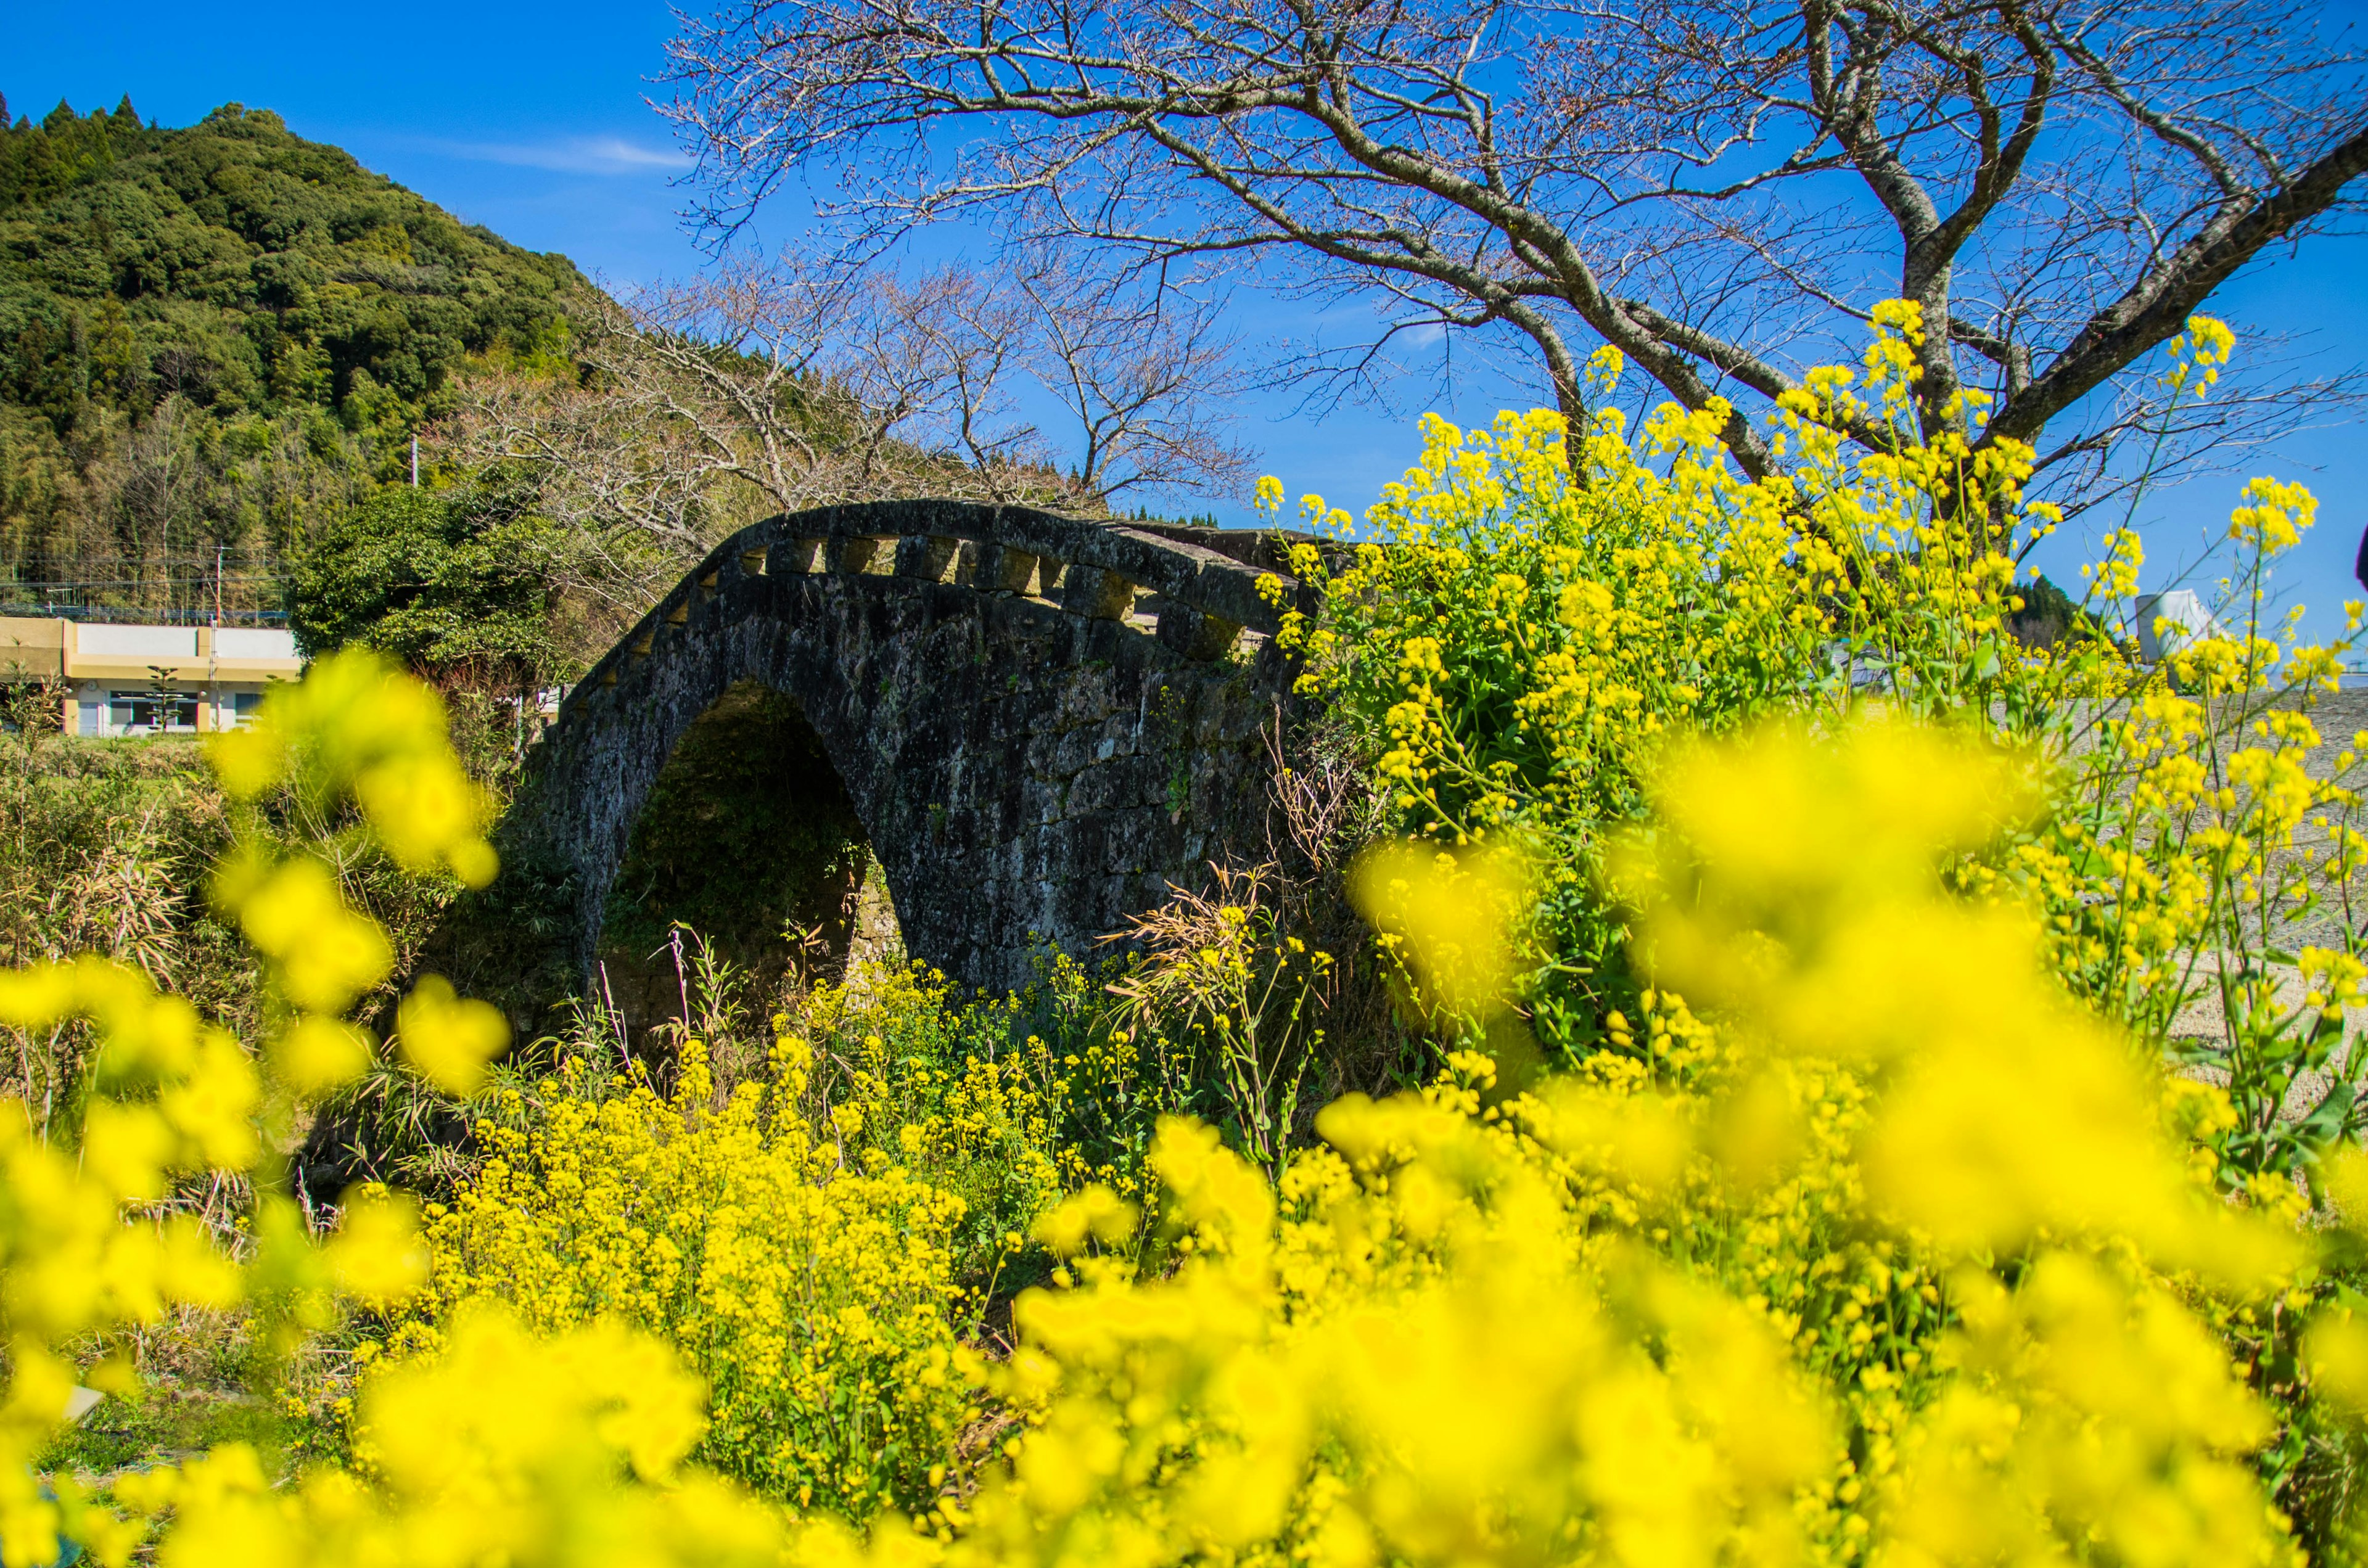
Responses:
[245,705]
[148,713]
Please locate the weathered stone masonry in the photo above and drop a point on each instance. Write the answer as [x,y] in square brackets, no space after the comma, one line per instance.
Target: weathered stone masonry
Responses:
[1041,723]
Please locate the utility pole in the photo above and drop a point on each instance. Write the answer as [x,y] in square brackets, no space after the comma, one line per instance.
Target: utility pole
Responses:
[211,697]
[415,461]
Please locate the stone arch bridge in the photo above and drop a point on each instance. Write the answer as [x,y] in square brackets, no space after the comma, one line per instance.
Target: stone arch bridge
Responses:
[1035,725]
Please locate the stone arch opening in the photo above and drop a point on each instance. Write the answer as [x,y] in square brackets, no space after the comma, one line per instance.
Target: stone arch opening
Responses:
[750,837]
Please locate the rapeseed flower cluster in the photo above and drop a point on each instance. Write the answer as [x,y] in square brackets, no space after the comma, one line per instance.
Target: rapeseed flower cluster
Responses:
[82,1252]
[357,741]
[1536,612]
[1812,1288]
[813,1297]
[510,1446]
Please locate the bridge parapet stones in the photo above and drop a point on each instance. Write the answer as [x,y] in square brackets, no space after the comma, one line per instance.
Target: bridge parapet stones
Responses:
[1190,600]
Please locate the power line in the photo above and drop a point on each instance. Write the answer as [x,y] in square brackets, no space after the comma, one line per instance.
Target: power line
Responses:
[207,581]
[134,616]
[192,562]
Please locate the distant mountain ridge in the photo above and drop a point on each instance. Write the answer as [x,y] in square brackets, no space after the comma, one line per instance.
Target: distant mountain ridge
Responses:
[315,281]
[212,335]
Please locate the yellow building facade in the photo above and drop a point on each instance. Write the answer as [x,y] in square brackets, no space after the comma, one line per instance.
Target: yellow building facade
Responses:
[146,680]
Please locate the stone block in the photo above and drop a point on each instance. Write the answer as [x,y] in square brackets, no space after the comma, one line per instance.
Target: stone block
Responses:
[1097,595]
[927,557]
[1195,633]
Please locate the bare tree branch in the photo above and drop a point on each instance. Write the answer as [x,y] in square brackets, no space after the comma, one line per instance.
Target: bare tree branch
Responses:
[1143,377]
[691,408]
[1721,188]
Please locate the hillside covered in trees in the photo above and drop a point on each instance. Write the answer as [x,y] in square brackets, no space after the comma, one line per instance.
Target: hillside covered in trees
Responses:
[216,343]
[216,340]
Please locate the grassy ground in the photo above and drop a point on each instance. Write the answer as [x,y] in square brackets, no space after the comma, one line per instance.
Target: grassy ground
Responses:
[162,1422]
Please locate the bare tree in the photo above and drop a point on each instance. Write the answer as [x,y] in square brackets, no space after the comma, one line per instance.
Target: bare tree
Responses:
[625,463]
[810,385]
[754,388]
[152,478]
[1145,375]
[777,386]
[1720,188]
[944,351]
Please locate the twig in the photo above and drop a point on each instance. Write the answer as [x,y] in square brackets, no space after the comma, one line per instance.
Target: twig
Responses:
[616,1021]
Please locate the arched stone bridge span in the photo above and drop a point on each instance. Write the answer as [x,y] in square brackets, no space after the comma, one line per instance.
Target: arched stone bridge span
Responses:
[1040,723]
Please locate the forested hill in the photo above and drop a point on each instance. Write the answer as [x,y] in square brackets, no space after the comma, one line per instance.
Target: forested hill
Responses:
[211,338]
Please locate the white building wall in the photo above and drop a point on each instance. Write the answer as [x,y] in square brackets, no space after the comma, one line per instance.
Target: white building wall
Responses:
[254,643]
[97,638]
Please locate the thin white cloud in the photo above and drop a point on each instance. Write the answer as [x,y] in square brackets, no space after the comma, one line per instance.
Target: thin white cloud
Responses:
[569,156]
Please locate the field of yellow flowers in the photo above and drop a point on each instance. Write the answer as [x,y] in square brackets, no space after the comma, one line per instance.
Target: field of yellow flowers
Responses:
[1818,1159]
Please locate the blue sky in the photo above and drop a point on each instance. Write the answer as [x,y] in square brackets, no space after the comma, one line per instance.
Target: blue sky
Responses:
[531,120]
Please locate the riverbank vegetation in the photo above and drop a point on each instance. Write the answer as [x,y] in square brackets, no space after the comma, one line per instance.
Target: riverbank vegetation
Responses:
[1859,1089]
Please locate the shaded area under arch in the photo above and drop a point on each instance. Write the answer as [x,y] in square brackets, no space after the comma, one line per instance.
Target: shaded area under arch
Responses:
[749,839]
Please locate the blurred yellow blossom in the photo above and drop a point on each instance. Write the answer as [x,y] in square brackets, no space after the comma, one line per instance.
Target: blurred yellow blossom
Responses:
[448,1037]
